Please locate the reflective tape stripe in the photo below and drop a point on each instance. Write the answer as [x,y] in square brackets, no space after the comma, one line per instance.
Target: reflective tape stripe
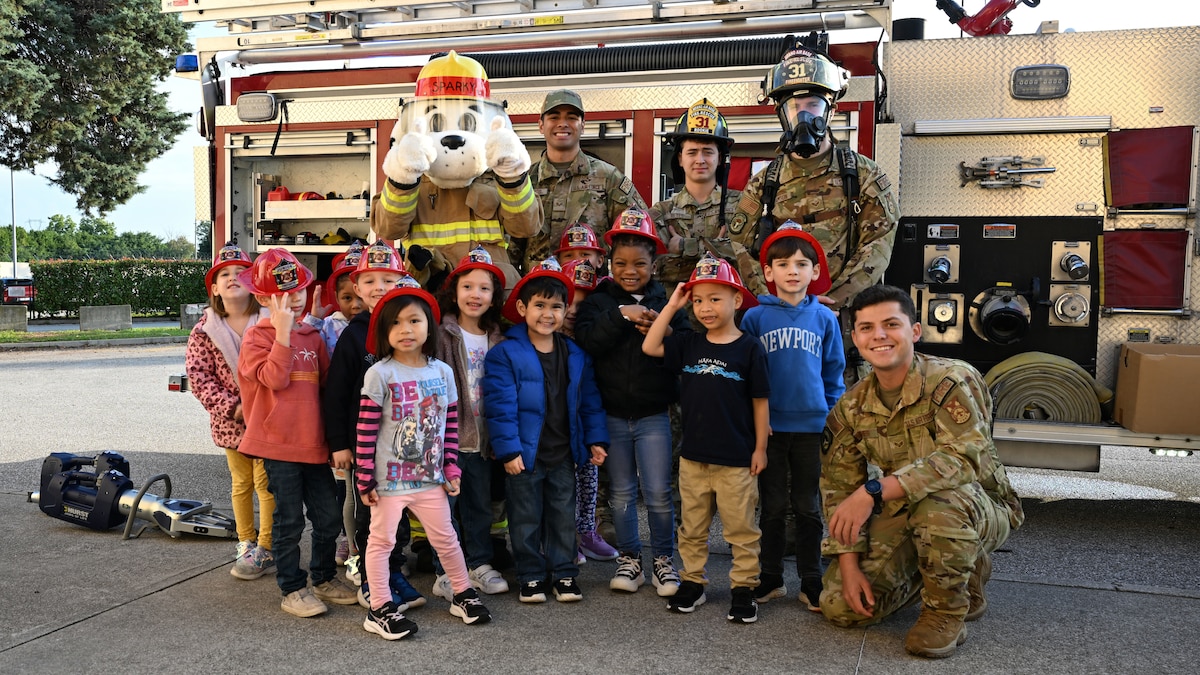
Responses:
[444,234]
[518,202]
[397,202]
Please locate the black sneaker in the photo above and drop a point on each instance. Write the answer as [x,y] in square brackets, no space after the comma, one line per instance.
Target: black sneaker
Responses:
[468,607]
[689,596]
[566,590]
[743,609]
[533,591]
[388,622]
[810,593]
[770,586]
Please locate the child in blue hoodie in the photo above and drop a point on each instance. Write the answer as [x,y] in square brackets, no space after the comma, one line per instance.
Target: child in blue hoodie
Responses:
[805,360]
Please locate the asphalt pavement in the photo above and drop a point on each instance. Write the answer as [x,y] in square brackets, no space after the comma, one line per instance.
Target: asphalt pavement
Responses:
[1101,579]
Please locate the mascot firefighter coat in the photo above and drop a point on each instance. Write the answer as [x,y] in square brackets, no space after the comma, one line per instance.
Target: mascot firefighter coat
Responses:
[456,172]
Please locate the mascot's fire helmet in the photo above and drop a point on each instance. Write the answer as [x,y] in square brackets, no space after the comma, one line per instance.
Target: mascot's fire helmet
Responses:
[701,122]
[804,87]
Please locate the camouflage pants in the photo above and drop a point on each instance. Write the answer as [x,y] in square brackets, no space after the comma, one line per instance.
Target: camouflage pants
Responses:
[928,548]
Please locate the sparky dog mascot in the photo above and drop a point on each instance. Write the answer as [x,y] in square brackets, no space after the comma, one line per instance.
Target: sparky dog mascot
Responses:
[456,173]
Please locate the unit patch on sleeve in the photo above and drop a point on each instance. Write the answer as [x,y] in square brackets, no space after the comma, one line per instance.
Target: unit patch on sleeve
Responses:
[942,390]
[958,412]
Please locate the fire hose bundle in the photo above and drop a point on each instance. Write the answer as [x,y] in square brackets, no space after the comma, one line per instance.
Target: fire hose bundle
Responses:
[1041,386]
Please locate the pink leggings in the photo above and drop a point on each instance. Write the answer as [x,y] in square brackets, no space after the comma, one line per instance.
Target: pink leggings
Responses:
[432,508]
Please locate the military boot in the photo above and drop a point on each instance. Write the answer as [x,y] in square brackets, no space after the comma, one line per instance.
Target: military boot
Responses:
[935,635]
[979,579]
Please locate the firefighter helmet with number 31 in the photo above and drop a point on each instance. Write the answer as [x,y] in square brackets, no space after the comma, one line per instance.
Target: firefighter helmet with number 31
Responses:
[807,71]
[702,122]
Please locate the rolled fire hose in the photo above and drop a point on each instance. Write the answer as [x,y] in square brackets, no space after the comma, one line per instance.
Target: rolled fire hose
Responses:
[1041,386]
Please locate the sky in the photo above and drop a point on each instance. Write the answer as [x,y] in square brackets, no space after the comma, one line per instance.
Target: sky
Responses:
[167,207]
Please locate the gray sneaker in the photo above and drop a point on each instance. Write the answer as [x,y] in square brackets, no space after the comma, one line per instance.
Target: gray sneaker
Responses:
[255,563]
[303,603]
[443,589]
[336,591]
[488,580]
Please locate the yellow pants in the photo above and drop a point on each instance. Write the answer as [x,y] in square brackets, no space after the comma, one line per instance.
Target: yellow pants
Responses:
[250,477]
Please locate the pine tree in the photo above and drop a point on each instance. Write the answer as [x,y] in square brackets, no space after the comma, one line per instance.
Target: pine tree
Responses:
[77,90]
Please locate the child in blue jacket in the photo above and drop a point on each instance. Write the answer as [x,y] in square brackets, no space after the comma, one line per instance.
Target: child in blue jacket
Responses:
[544,417]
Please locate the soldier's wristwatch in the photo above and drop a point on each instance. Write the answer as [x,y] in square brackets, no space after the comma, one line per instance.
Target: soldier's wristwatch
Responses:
[875,489]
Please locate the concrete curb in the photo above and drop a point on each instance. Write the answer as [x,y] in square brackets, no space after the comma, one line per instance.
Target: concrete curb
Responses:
[72,344]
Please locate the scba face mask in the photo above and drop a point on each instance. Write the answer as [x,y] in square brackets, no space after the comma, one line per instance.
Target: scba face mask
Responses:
[805,120]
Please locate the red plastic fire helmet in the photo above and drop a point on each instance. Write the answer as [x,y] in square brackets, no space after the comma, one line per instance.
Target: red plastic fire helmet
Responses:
[638,223]
[712,270]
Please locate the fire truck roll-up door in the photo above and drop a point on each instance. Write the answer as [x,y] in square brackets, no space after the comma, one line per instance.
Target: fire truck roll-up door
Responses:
[1003,238]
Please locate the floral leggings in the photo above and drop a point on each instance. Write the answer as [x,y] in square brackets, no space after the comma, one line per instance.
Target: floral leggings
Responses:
[587,484]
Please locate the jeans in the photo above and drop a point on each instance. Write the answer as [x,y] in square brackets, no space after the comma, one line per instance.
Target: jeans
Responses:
[641,449]
[800,455]
[475,508]
[296,488]
[541,521]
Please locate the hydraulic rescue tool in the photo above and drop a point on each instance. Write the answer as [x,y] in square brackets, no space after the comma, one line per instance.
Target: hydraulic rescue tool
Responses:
[1004,172]
[101,499]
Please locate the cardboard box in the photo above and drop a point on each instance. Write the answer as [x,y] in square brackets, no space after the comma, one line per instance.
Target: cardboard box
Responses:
[1158,389]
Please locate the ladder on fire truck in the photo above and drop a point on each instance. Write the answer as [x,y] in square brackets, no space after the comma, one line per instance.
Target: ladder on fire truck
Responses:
[340,29]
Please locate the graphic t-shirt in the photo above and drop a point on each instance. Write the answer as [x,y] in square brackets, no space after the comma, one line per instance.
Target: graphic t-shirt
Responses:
[412,428]
[718,385]
[476,347]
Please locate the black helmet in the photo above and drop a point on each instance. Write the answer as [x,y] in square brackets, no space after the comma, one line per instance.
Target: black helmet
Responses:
[805,70]
[701,122]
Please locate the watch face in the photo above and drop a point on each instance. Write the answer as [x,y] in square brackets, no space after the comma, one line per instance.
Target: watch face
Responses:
[873,487]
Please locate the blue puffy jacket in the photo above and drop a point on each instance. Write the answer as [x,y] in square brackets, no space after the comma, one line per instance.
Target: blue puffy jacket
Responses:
[514,399]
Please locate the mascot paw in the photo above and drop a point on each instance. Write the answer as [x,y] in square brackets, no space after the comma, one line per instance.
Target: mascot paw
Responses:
[419,257]
[506,155]
[411,156]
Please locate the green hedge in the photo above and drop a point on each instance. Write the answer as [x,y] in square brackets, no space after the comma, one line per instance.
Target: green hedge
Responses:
[147,286]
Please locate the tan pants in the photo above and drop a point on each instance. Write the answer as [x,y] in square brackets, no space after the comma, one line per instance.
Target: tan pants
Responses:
[706,489]
[250,477]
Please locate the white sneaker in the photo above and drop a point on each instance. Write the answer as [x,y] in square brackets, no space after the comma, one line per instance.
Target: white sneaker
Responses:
[665,579]
[488,580]
[443,589]
[303,603]
[629,575]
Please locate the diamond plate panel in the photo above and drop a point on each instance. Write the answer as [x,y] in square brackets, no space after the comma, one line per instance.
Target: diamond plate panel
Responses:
[336,110]
[201,183]
[887,149]
[968,78]
[929,176]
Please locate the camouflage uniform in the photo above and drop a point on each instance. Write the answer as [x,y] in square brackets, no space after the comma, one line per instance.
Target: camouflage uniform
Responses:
[699,225]
[591,191]
[958,503]
[810,193]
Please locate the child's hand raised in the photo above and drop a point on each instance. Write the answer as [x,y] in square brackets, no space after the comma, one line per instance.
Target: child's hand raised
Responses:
[679,298]
[282,317]
[319,311]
